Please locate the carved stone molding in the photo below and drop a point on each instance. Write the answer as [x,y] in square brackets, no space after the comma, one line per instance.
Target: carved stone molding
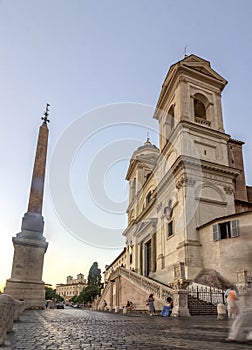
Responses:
[159,207]
[185,181]
[228,190]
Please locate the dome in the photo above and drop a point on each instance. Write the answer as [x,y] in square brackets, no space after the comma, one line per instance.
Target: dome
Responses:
[147,145]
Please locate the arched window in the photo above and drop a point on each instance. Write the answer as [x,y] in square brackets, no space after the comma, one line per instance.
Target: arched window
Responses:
[199,109]
[148,198]
[171,116]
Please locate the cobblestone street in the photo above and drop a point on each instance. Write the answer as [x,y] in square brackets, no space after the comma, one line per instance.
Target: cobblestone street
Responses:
[83,329]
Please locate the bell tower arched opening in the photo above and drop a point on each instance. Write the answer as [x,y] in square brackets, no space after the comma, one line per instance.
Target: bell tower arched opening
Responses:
[201,109]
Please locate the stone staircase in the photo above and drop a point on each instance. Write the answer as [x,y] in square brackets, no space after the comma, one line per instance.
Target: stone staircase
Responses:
[200,307]
[146,286]
[138,289]
[159,290]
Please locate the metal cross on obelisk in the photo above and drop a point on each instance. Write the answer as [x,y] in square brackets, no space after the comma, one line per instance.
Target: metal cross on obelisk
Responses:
[46,120]
[30,245]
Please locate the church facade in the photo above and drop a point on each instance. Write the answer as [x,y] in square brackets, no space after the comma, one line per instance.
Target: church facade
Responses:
[189,209]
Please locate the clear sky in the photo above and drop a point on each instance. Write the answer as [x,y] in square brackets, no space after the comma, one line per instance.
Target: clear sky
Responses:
[79,56]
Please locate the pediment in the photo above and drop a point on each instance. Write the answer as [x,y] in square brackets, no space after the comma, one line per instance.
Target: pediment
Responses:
[145,226]
[147,159]
[200,65]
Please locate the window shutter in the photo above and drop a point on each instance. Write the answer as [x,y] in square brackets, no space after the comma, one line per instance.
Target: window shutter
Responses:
[234,228]
[216,232]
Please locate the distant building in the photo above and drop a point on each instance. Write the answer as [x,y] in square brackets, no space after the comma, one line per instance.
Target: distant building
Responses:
[120,261]
[73,287]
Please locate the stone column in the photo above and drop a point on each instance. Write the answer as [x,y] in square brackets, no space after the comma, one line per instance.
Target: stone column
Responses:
[245,297]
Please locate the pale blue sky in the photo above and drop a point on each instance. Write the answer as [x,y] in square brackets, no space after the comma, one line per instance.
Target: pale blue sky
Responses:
[81,55]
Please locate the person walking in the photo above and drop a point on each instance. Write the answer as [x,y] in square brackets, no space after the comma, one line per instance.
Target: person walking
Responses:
[150,303]
[232,298]
[227,301]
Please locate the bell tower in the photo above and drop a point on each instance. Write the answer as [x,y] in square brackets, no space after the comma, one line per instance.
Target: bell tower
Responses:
[30,244]
[195,150]
[191,92]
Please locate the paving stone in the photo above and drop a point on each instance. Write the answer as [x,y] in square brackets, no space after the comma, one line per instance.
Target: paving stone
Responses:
[84,329]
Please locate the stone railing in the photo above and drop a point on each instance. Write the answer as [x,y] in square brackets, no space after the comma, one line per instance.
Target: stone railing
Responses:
[202,121]
[10,311]
[98,305]
[159,290]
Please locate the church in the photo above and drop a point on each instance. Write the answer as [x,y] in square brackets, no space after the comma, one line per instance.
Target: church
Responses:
[190,210]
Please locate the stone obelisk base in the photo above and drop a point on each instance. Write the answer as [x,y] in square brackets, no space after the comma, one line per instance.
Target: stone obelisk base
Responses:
[33,293]
[27,268]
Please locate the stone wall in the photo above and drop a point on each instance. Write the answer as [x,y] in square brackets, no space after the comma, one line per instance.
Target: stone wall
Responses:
[230,254]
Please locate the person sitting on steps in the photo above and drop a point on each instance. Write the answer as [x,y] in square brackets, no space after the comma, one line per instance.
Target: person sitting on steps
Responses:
[167,309]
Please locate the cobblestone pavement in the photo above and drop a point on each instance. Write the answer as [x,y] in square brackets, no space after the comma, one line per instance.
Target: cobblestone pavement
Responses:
[85,329]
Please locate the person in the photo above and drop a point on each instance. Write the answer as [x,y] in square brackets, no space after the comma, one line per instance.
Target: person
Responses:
[227,300]
[104,305]
[129,305]
[232,306]
[150,303]
[167,309]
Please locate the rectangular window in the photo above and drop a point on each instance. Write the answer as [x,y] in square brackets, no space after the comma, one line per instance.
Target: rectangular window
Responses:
[170,229]
[130,258]
[223,230]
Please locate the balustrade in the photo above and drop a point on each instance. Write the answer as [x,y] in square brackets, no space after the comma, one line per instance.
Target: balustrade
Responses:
[159,290]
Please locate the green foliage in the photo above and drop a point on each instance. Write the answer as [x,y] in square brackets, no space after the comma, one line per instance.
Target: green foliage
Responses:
[94,285]
[94,275]
[89,294]
[75,299]
[51,294]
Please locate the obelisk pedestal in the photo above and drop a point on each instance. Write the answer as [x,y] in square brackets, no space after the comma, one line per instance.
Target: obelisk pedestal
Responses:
[30,245]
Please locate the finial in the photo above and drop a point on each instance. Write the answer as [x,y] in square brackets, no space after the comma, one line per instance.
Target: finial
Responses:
[185,54]
[46,120]
[147,142]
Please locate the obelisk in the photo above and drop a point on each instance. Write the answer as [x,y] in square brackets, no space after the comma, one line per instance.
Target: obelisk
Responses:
[30,245]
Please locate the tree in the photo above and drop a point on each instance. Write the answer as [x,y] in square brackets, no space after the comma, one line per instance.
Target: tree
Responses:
[51,294]
[75,299]
[94,285]
[89,294]
[94,275]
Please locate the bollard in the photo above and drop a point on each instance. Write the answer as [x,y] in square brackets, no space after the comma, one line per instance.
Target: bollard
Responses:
[7,316]
[8,301]
[124,310]
[19,307]
[10,311]
[3,325]
[221,311]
